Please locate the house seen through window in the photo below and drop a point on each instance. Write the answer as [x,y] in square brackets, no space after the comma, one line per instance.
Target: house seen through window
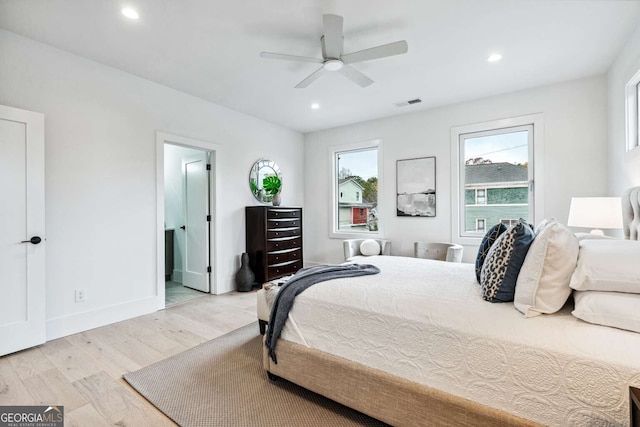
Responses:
[495,172]
[357,190]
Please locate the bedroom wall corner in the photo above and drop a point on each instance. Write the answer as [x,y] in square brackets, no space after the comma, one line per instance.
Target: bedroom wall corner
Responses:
[100,178]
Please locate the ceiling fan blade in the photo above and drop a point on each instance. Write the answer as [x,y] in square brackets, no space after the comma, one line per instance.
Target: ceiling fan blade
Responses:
[395,48]
[355,76]
[312,78]
[332,39]
[290,57]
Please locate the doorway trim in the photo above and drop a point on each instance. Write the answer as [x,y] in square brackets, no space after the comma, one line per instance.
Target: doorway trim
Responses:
[163,138]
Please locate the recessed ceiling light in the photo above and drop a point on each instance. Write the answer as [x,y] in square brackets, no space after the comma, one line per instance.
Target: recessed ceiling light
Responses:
[494,57]
[315,106]
[130,13]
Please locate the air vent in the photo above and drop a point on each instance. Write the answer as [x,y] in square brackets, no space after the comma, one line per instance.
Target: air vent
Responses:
[409,102]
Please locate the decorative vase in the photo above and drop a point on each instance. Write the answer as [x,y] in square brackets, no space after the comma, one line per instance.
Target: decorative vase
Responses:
[276,200]
[244,276]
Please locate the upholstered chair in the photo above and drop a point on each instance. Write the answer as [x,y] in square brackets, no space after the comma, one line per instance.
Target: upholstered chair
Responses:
[449,252]
[351,247]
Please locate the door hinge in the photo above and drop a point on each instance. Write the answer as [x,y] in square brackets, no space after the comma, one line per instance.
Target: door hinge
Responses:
[209,269]
[208,166]
[209,218]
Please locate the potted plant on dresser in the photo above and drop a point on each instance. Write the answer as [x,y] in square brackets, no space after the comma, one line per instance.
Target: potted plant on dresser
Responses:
[272,185]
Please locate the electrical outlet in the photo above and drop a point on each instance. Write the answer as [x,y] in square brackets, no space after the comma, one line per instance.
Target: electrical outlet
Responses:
[80,295]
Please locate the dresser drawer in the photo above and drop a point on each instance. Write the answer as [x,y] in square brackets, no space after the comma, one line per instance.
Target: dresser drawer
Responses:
[284,269]
[283,256]
[283,232]
[283,213]
[281,244]
[283,223]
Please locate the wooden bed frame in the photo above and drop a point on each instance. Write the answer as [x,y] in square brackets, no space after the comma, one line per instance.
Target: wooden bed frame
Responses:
[400,402]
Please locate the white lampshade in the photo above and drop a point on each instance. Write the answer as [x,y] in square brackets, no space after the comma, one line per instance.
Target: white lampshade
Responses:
[595,212]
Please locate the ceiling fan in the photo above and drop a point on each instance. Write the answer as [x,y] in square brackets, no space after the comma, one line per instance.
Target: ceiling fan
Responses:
[333,59]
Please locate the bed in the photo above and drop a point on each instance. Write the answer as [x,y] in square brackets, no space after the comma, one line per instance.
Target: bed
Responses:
[417,345]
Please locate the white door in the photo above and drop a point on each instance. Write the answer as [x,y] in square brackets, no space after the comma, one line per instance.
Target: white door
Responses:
[196,263]
[22,261]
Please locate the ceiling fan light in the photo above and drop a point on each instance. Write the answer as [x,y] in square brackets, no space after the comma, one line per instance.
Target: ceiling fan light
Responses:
[494,57]
[130,13]
[333,65]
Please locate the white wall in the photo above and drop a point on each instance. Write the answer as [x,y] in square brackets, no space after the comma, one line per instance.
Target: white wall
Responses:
[575,133]
[624,167]
[100,130]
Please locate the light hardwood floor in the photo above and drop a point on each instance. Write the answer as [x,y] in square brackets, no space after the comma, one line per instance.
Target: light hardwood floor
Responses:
[84,371]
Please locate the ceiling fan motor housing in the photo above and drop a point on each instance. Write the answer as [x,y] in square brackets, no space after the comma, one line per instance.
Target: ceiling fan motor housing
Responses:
[333,64]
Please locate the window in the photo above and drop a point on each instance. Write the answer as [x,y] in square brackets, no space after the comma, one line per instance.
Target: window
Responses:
[481,196]
[356,179]
[509,222]
[493,175]
[632,91]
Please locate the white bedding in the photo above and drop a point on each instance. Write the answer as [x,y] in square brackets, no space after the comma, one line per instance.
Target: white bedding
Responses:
[425,321]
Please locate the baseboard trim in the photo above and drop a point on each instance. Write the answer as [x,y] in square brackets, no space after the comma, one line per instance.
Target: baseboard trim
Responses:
[79,322]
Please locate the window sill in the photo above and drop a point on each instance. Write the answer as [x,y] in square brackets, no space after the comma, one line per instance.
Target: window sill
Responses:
[361,235]
[468,241]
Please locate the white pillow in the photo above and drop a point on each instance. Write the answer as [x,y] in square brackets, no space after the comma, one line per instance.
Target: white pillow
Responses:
[543,282]
[369,247]
[615,309]
[608,265]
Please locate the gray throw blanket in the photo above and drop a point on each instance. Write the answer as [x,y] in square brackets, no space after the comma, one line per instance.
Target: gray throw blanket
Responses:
[299,282]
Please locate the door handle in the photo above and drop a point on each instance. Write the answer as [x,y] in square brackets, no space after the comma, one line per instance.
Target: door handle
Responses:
[34,240]
[184,227]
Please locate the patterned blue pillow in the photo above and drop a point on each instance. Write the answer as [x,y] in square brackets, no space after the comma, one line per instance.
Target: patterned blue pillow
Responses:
[488,239]
[504,261]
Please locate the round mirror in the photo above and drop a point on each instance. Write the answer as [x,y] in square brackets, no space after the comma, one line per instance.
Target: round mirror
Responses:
[265,180]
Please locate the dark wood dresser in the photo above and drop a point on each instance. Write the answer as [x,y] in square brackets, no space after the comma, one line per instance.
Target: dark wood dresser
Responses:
[274,241]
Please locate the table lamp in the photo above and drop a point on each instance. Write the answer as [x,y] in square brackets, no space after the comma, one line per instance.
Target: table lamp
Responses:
[595,213]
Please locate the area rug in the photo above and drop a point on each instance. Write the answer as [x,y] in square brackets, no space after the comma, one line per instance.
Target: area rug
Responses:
[222,383]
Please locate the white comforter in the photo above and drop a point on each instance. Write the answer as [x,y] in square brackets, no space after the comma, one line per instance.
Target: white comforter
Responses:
[425,321]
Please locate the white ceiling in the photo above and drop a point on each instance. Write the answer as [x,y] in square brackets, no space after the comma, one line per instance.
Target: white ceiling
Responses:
[210,48]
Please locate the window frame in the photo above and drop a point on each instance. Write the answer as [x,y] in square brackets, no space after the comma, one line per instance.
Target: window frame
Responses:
[484,225]
[334,231]
[632,113]
[536,172]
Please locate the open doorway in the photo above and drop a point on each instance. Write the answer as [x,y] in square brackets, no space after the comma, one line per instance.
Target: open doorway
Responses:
[186,190]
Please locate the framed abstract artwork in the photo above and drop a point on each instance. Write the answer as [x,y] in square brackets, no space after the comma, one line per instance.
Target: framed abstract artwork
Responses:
[416,187]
